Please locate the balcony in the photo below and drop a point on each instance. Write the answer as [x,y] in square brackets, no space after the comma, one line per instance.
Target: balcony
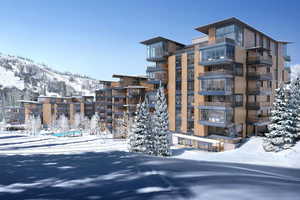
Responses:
[216,117]
[259,76]
[258,121]
[212,86]
[217,104]
[120,96]
[217,74]
[215,123]
[155,69]
[259,91]
[220,52]
[260,60]
[258,105]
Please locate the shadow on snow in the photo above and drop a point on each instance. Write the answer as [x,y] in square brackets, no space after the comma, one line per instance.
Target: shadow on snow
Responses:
[122,175]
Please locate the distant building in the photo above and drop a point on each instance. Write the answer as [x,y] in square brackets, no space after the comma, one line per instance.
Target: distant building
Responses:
[117,98]
[49,108]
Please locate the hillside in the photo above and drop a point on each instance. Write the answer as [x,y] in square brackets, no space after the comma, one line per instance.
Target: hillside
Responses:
[22,78]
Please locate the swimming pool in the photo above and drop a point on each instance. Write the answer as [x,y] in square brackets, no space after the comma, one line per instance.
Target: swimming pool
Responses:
[68,133]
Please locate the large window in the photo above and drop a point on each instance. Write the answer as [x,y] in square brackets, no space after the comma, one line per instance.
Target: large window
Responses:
[233,32]
[190,59]
[156,50]
[216,85]
[218,53]
[216,116]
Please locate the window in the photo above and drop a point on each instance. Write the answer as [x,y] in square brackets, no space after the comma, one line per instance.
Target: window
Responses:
[239,69]
[178,61]
[239,100]
[178,85]
[190,59]
[216,85]
[268,98]
[190,74]
[269,84]
[156,50]
[216,116]
[218,53]
[233,32]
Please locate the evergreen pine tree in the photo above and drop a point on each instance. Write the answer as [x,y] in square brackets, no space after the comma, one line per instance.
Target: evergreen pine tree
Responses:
[161,125]
[137,139]
[282,130]
[295,101]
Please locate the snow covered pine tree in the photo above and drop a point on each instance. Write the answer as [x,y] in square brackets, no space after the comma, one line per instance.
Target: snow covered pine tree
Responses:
[295,92]
[137,139]
[161,125]
[282,130]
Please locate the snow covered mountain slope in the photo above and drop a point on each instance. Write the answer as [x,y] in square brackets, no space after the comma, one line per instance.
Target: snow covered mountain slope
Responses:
[23,73]
[22,78]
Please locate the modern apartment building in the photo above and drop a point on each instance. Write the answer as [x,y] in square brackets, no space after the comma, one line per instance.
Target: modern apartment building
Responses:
[48,108]
[117,98]
[221,87]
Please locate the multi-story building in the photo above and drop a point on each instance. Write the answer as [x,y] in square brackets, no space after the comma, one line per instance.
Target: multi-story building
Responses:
[115,99]
[49,108]
[14,114]
[221,87]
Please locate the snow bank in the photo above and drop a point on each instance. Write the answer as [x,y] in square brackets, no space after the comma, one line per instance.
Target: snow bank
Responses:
[249,153]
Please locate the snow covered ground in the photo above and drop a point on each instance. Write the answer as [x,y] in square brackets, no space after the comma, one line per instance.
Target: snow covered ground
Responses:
[47,167]
[22,144]
[251,152]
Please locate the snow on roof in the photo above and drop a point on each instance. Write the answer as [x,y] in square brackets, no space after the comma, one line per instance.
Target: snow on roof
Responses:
[27,101]
[136,86]
[196,138]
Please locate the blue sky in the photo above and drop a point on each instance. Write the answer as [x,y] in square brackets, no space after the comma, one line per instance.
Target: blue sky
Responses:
[99,38]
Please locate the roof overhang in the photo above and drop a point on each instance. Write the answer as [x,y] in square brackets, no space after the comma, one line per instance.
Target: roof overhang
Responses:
[159,39]
[129,76]
[204,29]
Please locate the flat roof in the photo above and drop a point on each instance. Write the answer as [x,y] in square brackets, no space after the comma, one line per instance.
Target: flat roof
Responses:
[158,39]
[128,76]
[204,29]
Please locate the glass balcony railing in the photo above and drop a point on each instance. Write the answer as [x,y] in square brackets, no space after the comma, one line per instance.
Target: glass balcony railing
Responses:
[259,91]
[258,120]
[221,52]
[259,60]
[154,69]
[215,117]
[218,104]
[216,87]
[259,76]
[258,105]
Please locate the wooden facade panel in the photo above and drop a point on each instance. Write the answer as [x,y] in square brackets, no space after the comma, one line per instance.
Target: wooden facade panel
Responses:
[47,115]
[184,76]
[172,91]
[199,130]
[249,38]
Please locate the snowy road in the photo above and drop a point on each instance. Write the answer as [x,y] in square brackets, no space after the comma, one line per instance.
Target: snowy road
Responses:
[110,174]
